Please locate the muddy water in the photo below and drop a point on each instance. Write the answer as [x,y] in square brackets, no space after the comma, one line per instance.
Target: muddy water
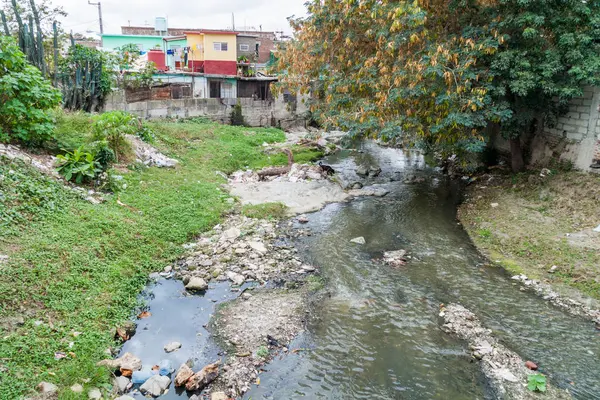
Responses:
[378,335]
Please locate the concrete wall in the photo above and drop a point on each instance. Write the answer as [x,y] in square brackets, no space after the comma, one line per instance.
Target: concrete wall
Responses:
[256,112]
[575,138]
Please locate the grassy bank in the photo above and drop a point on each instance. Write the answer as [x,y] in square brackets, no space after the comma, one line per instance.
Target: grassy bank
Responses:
[77,268]
[528,224]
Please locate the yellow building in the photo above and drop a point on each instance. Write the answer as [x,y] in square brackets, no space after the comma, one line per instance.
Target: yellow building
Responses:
[212,52]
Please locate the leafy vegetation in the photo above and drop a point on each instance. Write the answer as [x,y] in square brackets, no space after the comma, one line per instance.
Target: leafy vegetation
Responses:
[237,118]
[79,268]
[536,383]
[443,72]
[113,127]
[25,98]
[262,352]
[79,166]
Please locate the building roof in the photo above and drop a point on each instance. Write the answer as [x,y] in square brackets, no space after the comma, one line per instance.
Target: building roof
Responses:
[168,39]
[136,36]
[211,31]
[191,29]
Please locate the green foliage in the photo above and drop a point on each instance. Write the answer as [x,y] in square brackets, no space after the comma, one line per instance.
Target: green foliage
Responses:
[315,283]
[536,383]
[442,71]
[103,154]
[26,195]
[237,118]
[82,266]
[127,55]
[142,79]
[110,181]
[485,233]
[86,77]
[265,211]
[146,133]
[262,352]
[72,129]
[25,98]
[78,165]
[112,128]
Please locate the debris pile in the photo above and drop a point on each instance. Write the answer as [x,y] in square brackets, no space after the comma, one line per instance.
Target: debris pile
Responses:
[506,372]
[148,155]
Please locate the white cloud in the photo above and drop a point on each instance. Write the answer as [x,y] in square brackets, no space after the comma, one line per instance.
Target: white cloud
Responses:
[211,14]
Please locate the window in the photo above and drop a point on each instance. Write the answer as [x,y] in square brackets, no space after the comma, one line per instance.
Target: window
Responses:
[244,47]
[220,46]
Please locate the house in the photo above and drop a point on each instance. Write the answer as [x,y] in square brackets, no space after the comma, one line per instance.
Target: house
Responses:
[143,42]
[212,52]
[174,47]
[247,47]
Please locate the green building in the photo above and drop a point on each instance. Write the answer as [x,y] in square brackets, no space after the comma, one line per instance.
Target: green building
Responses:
[144,43]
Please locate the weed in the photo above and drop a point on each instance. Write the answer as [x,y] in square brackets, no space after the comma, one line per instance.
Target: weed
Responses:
[78,165]
[262,352]
[536,383]
[484,233]
[265,211]
[315,283]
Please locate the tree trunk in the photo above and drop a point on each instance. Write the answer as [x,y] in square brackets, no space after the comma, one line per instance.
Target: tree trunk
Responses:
[516,153]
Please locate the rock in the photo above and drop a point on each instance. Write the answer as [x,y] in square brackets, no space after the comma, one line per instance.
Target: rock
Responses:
[258,246]
[553,269]
[183,375]
[309,268]
[395,258]
[531,365]
[219,396]
[95,394]
[125,397]
[122,384]
[495,205]
[359,240]
[303,219]
[173,346]
[356,186]
[231,234]
[156,385]
[168,269]
[47,388]
[597,229]
[246,296]
[203,378]
[505,374]
[128,362]
[77,388]
[196,283]
[374,171]
[362,170]
[237,279]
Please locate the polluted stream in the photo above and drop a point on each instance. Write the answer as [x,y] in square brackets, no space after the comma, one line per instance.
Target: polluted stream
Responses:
[378,334]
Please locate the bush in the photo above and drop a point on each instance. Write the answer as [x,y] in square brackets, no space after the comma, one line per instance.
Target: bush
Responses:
[237,118]
[25,98]
[78,165]
[146,133]
[112,128]
[102,153]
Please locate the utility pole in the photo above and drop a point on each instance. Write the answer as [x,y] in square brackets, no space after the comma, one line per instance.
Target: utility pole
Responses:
[99,14]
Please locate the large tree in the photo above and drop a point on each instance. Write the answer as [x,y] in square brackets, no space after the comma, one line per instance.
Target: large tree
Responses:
[443,71]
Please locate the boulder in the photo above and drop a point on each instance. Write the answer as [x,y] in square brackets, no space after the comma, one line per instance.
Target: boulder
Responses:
[196,283]
[171,347]
[374,171]
[362,170]
[231,234]
[203,378]
[183,375]
[156,385]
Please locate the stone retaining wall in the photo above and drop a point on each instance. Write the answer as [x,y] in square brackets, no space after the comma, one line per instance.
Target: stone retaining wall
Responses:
[264,113]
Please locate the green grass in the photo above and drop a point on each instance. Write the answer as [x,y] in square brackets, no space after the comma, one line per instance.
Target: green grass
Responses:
[79,267]
[265,211]
[315,283]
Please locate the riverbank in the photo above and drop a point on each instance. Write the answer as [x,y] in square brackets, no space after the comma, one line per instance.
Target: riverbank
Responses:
[72,270]
[541,225]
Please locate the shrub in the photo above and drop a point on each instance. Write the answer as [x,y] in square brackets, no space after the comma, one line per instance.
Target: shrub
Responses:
[102,153]
[112,128]
[78,165]
[25,98]
[145,133]
[536,383]
[237,118]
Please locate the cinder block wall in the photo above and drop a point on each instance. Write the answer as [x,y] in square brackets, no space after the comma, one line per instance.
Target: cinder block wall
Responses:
[258,113]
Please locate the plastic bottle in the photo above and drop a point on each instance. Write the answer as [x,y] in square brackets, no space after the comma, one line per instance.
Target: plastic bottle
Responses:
[165,368]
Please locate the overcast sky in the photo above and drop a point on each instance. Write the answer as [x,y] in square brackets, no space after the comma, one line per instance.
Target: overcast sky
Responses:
[212,14]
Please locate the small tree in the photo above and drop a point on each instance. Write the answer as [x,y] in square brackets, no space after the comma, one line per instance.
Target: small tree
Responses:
[237,118]
[25,98]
